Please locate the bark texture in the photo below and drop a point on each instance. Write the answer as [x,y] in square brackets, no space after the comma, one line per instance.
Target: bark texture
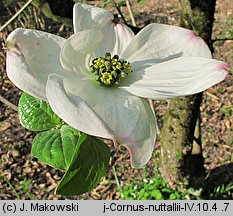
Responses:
[181,157]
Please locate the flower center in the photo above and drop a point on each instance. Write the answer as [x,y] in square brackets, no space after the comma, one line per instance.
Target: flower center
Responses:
[109,71]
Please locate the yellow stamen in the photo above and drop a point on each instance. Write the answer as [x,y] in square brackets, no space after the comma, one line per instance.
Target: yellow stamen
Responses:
[106,78]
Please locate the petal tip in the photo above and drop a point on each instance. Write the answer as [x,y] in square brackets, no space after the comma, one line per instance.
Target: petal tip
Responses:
[118,25]
[11,39]
[9,45]
[193,36]
[224,68]
[135,162]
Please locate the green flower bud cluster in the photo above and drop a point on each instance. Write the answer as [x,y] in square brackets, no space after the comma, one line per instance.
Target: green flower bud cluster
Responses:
[109,71]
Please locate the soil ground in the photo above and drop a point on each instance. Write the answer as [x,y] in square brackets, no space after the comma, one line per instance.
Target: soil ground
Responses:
[28,178]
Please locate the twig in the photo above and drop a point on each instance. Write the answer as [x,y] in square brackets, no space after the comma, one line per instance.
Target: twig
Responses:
[212,95]
[191,24]
[12,18]
[221,39]
[8,103]
[130,12]
[119,11]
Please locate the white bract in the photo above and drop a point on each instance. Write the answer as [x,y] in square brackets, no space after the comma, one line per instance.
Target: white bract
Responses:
[166,61]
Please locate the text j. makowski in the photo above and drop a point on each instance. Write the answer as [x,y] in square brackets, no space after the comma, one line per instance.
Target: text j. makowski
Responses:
[43,207]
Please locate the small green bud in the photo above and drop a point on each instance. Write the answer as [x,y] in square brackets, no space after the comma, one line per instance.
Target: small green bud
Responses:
[108,56]
[116,57]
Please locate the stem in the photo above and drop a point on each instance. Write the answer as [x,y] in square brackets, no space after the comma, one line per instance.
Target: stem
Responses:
[219,39]
[12,18]
[130,12]
[8,103]
[116,178]
[11,186]
[119,11]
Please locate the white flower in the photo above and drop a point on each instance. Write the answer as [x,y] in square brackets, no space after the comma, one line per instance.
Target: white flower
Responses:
[151,182]
[167,62]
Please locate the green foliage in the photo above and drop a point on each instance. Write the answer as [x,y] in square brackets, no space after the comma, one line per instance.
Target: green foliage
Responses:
[116,4]
[141,1]
[228,111]
[89,164]
[25,187]
[106,3]
[178,155]
[229,22]
[221,90]
[84,158]
[35,114]
[222,192]
[56,147]
[225,34]
[230,141]
[154,189]
[122,4]
[209,130]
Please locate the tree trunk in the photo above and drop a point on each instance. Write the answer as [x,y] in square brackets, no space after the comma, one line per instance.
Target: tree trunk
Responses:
[181,157]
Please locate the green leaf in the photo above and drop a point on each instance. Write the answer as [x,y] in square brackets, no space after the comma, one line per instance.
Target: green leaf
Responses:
[172,196]
[156,194]
[89,164]
[35,114]
[56,147]
[141,1]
